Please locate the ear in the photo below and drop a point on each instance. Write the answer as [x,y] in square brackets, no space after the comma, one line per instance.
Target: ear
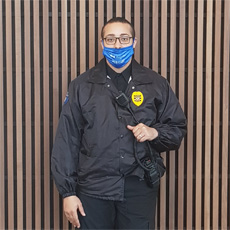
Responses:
[134,42]
[102,45]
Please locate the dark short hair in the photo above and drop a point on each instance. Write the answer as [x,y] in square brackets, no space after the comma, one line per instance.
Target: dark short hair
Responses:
[121,20]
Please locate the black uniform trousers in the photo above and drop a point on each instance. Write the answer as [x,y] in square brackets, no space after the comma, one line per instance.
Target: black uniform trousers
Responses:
[136,211]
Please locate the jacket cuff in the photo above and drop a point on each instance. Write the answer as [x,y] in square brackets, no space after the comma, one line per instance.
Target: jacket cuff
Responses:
[69,194]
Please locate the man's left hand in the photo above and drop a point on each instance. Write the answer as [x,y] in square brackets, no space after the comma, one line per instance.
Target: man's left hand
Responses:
[143,133]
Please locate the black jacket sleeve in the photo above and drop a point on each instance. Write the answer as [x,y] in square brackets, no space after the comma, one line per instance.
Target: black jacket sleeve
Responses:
[171,122]
[64,159]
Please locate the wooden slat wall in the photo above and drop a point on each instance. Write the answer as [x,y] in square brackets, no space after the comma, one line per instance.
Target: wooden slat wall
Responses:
[45,44]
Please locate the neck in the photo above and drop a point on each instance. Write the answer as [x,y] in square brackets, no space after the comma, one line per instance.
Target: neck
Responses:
[119,70]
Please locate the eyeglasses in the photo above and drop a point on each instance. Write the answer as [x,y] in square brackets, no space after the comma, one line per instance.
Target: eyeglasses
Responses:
[112,40]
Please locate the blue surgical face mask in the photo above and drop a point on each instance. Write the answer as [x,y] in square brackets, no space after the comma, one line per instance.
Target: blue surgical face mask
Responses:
[118,57]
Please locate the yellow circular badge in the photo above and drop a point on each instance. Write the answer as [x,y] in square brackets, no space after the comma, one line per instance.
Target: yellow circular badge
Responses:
[137,98]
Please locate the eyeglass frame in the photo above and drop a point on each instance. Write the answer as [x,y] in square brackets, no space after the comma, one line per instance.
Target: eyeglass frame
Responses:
[119,38]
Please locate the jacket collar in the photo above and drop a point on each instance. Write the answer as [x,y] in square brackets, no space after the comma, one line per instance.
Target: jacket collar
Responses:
[139,74]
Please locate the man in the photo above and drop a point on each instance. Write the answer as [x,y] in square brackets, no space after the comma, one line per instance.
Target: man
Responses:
[117,117]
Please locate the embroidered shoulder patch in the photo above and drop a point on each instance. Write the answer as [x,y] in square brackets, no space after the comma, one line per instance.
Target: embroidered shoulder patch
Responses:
[66,98]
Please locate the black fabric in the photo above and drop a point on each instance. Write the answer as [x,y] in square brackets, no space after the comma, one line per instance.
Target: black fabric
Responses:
[120,80]
[137,211]
[93,149]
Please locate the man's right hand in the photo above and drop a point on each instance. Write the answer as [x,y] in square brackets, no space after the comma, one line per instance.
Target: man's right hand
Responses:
[71,206]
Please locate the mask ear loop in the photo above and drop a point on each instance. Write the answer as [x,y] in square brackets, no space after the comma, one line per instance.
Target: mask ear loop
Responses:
[102,43]
[134,40]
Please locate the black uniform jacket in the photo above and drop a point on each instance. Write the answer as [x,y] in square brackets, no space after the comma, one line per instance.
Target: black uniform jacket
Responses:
[93,149]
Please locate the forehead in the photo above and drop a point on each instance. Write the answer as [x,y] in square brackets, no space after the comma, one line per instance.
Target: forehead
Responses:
[117,29]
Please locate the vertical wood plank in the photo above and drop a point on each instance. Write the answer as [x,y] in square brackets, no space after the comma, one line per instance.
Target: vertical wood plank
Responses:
[208,111]
[100,25]
[64,48]
[82,37]
[46,112]
[109,9]
[73,34]
[64,41]
[55,99]
[64,60]
[163,73]
[146,33]
[118,8]
[64,68]
[173,57]
[28,138]
[128,10]
[225,119]
[9,95]
[137,14]
[199,115]
[155,34]
[92,34]
[19,114]
[190,102]
[37,113]
[216,117]
[2,137]
[180,217]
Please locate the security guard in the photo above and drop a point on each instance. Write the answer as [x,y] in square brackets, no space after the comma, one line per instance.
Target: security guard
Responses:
[102,143]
